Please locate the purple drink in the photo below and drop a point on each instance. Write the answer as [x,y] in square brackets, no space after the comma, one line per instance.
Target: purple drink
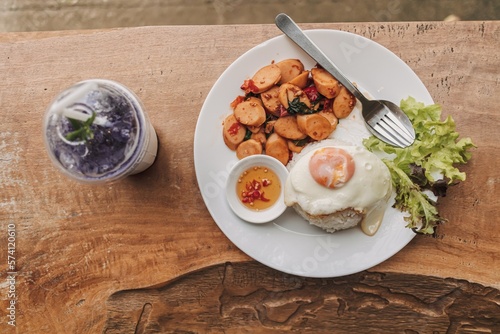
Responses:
[101,134]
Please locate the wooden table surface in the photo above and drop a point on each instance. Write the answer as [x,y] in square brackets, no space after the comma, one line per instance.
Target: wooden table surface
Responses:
[144,255]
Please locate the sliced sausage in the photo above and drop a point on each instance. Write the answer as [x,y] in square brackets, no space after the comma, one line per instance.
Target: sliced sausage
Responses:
[287,127]
[248,147]
[233,132]
[263,79]
[316,126]
[277,147]
[344,103]
[250,112]
[270,100]
[290,69]
[325,83]
[301,80]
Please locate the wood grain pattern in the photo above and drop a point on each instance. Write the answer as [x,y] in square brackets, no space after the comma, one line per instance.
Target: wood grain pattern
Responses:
[249,297]
[77,245]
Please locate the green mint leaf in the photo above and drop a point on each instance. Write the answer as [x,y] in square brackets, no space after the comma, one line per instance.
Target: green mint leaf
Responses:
[75,135]
[82,131]
[90,120]
[75,124]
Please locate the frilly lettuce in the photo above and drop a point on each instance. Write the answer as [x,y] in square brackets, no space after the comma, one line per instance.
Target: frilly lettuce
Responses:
[429,163]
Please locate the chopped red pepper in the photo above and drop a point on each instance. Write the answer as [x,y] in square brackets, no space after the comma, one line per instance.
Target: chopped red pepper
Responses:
[282,110]
[253,191]
[237,101]
[311,93]
[233,129]
[249,87]
[263,198]
[328,104]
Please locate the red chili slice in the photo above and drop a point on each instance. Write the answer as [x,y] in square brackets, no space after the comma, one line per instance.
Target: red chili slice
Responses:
[263,198]
[249,87]
[312,93]
[282,110]
[233,129]
[237,101]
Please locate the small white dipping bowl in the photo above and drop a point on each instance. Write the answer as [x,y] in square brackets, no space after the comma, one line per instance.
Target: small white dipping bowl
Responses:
[245,213]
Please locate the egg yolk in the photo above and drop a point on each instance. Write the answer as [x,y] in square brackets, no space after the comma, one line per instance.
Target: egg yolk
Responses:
[331,167]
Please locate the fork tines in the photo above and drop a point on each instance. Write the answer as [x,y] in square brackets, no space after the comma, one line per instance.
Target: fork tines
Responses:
[393,130]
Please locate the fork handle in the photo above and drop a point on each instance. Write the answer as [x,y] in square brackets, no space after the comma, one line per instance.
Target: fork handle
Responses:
[292,30]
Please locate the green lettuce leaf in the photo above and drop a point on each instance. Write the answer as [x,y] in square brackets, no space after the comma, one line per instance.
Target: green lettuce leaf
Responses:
[436,152]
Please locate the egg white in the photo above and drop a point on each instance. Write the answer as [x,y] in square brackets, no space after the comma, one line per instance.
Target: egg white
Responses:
[370,183]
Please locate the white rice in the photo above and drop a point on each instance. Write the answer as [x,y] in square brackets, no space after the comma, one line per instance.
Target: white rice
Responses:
[349,132]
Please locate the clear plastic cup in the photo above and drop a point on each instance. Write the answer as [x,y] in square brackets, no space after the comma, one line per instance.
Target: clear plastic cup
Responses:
[117,142]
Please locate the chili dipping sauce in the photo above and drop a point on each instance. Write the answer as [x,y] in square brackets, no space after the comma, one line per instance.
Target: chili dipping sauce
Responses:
[258,188]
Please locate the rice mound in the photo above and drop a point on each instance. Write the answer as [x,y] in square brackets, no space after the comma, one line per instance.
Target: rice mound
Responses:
[340,220]
[336,221]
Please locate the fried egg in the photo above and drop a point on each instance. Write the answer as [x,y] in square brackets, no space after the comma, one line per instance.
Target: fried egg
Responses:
[329,179]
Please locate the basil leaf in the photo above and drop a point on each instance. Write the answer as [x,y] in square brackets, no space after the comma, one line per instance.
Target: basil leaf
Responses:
[297,107]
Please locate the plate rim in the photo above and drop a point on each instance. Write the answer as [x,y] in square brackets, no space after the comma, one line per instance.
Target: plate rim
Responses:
[198,168]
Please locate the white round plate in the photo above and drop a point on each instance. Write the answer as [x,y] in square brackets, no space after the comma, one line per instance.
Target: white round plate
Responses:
[290,244]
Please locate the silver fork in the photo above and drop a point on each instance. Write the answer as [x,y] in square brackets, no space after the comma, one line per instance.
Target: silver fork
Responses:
[384,119]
